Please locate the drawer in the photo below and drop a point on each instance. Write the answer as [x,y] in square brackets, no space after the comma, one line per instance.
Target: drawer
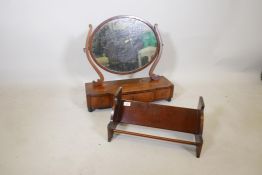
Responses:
[162,93]
[144,96]
[101,101]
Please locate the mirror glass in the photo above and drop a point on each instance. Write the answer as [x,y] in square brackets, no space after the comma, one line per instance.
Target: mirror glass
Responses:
[124,45]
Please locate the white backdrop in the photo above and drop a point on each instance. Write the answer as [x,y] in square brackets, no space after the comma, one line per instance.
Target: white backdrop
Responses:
[212,48]
[42,41]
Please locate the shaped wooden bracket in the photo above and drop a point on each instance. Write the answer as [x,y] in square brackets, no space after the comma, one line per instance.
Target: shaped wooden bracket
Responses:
[152,68]
[87,50]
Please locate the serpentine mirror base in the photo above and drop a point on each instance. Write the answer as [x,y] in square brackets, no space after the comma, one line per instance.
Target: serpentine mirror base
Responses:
[139,89]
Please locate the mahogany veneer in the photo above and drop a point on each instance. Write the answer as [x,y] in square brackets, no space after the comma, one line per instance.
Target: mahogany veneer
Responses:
[139,89]
[158,116]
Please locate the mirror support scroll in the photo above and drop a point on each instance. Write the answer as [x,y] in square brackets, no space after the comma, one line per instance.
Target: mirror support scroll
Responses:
[151,74]
[88,50]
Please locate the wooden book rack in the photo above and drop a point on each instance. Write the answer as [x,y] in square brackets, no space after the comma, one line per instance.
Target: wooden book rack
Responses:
[158,116]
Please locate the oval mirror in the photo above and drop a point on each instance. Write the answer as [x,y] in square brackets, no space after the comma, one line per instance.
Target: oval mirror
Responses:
[124,44]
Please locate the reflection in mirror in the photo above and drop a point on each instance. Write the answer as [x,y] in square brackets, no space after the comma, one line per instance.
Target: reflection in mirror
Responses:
[124,45]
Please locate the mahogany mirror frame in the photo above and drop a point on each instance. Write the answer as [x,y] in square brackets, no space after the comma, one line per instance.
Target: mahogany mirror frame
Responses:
[92,59]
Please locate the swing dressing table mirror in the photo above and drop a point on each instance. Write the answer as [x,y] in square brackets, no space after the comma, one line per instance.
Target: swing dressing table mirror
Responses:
[125,45]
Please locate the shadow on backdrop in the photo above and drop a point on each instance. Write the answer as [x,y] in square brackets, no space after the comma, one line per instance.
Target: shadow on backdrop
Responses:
[76,63]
